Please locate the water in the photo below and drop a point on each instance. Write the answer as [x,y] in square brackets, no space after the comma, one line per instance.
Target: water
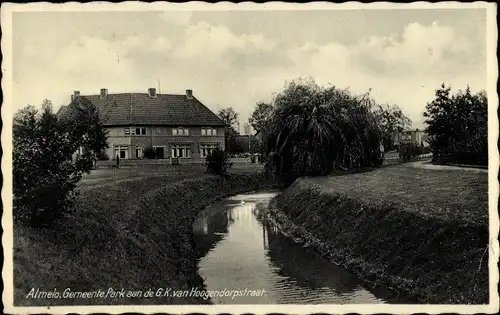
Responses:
[240,250]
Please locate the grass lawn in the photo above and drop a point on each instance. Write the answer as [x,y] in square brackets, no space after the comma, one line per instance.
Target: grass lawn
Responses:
[112,176]
[443,194]
[421,231]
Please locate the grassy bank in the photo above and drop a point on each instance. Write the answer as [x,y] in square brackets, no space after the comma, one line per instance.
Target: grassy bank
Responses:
[131,234]
[423,232]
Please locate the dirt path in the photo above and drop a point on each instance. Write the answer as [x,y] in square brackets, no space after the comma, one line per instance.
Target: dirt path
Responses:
[428,166]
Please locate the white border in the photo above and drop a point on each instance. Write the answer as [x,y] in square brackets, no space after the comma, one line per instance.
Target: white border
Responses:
[492,65]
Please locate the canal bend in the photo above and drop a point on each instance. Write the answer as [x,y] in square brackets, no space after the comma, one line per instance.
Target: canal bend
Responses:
[240,249]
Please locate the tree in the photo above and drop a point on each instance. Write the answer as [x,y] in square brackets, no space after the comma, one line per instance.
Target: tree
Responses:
[261,116]
[44,171]
[230,117]
[84,120]
[260,121]
[457,126]
[316,131]
[392,121]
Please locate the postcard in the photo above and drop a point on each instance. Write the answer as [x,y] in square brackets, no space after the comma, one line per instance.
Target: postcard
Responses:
[250,158]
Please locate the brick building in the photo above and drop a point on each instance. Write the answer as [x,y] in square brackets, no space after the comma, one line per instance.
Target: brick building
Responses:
[174,125]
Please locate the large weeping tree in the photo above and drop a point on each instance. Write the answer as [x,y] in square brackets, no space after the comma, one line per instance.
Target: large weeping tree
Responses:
[316,131]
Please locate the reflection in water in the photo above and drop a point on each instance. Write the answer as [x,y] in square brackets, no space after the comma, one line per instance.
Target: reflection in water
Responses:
[213,224]
[239,249]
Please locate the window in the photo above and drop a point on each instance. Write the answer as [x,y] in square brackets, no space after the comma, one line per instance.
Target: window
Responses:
[181,151]
[180,131]
[407,136]
[132,131]
[206,149]
[138,131]
[208,131]
[122,152]
[159,130]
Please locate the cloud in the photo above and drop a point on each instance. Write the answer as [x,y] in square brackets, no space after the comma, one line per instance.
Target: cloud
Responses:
[229,68]
[422,50]
[216,41]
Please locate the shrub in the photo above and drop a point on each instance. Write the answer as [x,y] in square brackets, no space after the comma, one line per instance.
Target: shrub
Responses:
[149,153]
[45,172]
[409,151]
[218,162]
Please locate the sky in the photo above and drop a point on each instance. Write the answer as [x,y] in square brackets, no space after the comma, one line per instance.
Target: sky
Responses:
[239,58]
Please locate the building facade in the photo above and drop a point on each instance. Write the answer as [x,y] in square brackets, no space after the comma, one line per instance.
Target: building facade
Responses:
[411,135]
[177,126]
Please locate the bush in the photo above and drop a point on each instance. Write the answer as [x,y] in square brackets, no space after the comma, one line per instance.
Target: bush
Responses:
[461,157]
[218,162]
[45,172]
[149,153]
[409,151]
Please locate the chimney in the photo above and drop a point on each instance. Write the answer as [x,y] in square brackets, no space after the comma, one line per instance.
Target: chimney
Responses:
[189,94]
[104,93]
[75,95]
[152,92]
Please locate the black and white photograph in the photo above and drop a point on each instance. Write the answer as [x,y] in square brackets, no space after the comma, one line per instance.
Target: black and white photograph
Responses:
[245,157]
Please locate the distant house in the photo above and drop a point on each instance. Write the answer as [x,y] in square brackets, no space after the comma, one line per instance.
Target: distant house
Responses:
[175,125]
[249,143]
[411,135]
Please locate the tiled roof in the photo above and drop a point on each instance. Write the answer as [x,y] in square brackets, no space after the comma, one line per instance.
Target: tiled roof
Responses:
[164,109]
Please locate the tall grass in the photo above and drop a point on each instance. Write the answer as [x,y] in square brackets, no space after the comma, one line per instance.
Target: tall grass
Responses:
[316,131]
